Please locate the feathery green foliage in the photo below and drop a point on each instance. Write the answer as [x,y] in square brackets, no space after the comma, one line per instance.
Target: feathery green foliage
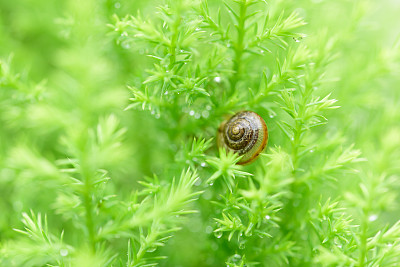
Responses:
[108,119]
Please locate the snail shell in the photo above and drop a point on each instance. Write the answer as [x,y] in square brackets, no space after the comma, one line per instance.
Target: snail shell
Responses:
[245,133]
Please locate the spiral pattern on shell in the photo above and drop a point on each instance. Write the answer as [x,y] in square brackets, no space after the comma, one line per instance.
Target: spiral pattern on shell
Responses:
[245,133]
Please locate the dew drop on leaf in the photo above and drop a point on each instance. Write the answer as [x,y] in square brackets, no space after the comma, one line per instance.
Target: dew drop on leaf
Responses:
[151,249]
[235,259]
[373,217]
[218,234]
[63,252]
[125,45]
[198,182]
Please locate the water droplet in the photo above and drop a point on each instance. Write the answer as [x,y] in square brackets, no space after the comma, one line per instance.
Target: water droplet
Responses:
[292,138]
[198,182]
[211,184]
[228,45]
[209,229]
[167,71]
[197,116]
[166,93]
[191,113]
[339,246]
[63,252]
[312,151]
[208,107]
[203,164]
[271,115]
[218,234]
[157,116]
[267,217]
[195,159]
[390,245]
[242,245]
[262,51]
[248,234]
[181,51]
[205,114]
[125,45]
[235,259]
[151,249]
[373,217]
[197,29]
[117,5]
[217,79]
[152,112]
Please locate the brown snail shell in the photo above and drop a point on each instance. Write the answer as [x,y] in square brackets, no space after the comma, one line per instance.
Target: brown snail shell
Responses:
[245,133]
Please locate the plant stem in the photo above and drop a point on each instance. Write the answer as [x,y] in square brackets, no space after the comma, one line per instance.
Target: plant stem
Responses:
[363,242]
[88,207]
[239,46]
[363,237]
[174,37]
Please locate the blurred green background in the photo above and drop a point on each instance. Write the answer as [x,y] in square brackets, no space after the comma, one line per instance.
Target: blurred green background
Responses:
[62,70]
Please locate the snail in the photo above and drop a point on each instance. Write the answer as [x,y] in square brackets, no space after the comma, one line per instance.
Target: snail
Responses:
[245,133]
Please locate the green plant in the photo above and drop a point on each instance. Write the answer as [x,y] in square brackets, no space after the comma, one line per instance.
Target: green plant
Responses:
[112,134]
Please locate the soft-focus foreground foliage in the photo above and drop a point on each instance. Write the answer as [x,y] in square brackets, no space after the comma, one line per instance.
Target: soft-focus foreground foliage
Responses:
[108,116]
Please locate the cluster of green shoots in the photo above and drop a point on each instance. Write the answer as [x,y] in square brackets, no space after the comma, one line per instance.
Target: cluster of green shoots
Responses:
[142,182]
